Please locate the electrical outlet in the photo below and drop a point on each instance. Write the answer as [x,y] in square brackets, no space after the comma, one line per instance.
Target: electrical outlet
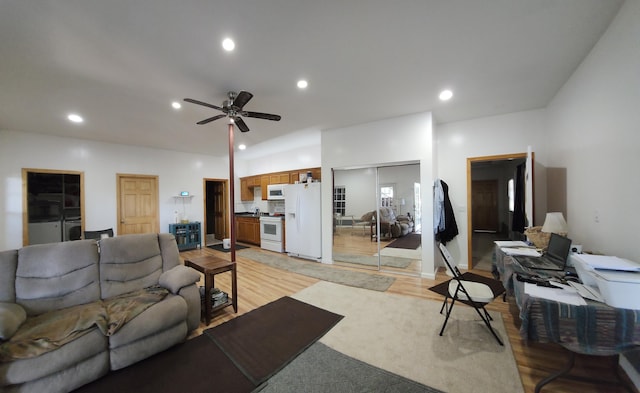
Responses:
[596,216]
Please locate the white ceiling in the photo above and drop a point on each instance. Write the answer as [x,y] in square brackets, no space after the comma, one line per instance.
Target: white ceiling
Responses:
[120,63]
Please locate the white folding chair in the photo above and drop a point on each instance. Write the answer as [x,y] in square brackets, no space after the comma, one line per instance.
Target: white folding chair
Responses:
[472,293]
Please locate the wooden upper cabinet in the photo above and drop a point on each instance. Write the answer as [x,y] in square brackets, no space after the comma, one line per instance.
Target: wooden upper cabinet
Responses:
[316,173]
[264,182]
[294,176]
[247,184]
[246,193]
[279,178]
[254,181]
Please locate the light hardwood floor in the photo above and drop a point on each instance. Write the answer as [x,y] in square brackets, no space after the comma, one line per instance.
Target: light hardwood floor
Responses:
[259,284]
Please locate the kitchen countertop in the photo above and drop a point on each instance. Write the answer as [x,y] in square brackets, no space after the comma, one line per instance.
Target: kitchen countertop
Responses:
[253,215]
[249,214]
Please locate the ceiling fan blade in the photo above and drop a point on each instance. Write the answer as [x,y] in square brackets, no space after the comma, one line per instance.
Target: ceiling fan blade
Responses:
[202,103]
[259,115]
[242,99]
[209,120]
[241,124]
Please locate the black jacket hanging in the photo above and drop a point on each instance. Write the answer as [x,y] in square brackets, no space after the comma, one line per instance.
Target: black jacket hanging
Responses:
[450,227]
[519,218]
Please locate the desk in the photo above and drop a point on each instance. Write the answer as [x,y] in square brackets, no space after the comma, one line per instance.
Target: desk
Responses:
[594,329]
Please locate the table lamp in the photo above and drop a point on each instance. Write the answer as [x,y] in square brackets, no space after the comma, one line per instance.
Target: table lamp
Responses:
[555,223]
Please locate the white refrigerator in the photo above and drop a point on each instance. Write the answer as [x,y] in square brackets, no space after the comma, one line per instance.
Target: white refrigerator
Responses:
[303,236]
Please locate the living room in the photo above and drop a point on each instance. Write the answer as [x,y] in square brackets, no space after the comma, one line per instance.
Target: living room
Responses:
[566,133]
[588,128]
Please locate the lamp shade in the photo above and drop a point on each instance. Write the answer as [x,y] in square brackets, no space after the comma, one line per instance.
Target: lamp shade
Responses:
[555,223]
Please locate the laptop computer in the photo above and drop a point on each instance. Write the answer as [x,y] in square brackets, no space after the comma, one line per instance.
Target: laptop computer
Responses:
[554,259]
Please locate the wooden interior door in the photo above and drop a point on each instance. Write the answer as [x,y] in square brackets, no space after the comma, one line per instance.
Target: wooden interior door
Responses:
[216,208]
[137,204]
[485,205]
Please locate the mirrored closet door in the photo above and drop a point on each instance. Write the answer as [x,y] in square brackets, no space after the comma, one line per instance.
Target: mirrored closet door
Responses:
[374,218]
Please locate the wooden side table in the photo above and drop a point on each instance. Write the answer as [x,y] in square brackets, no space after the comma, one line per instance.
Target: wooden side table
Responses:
[210,266]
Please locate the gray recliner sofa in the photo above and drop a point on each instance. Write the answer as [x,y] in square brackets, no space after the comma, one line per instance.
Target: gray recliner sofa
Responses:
[100,284]
[390,224]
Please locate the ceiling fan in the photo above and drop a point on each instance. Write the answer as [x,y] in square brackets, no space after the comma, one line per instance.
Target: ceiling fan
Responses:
[233,108]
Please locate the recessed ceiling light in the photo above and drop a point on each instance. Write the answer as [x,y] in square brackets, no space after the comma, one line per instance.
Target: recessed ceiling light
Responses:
[242,146]
[228,44]
[302,84]
[75,118]
[176,105]
[445,95]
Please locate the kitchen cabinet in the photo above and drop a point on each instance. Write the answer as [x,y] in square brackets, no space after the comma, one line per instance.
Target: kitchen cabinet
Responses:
[247,184]
[316,173]
[264,182]
[246,193]
[253,181]
[248,229]
[295,175]
[279,178]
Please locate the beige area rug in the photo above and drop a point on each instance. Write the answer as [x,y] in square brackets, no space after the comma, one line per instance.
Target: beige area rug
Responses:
[319,270]
[400,334]
[401,253]
[397,262]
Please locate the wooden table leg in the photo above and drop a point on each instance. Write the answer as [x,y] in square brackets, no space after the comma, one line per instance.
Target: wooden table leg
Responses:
[208,285]
[234,288]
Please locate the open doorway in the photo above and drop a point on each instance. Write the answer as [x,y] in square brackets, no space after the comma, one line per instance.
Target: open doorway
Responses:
[216,217]
[53,203]
[490,202]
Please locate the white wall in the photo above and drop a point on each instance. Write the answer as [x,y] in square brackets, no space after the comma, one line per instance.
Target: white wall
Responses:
[301,155]
[360,186]
[100,163]
[595,134]
[488,136]
[397,140]
[296,150]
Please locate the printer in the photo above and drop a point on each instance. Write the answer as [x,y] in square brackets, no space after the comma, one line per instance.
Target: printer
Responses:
[617,279]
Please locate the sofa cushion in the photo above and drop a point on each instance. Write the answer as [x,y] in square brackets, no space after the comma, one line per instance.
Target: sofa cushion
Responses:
[129,263]
[24,370]
[387,215]
[68,379]
[161,316]
[57,275]
[11,317]
[136,351]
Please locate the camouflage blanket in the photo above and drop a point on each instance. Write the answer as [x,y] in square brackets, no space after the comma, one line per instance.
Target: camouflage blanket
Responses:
[49,331]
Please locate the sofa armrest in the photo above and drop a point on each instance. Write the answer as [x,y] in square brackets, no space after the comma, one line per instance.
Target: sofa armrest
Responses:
[12,315]
[178,277]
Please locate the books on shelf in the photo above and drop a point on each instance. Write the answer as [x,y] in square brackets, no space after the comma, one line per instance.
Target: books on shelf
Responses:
[218,297]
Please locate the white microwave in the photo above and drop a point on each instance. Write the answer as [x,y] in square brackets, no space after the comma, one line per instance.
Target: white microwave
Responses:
[275,192]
